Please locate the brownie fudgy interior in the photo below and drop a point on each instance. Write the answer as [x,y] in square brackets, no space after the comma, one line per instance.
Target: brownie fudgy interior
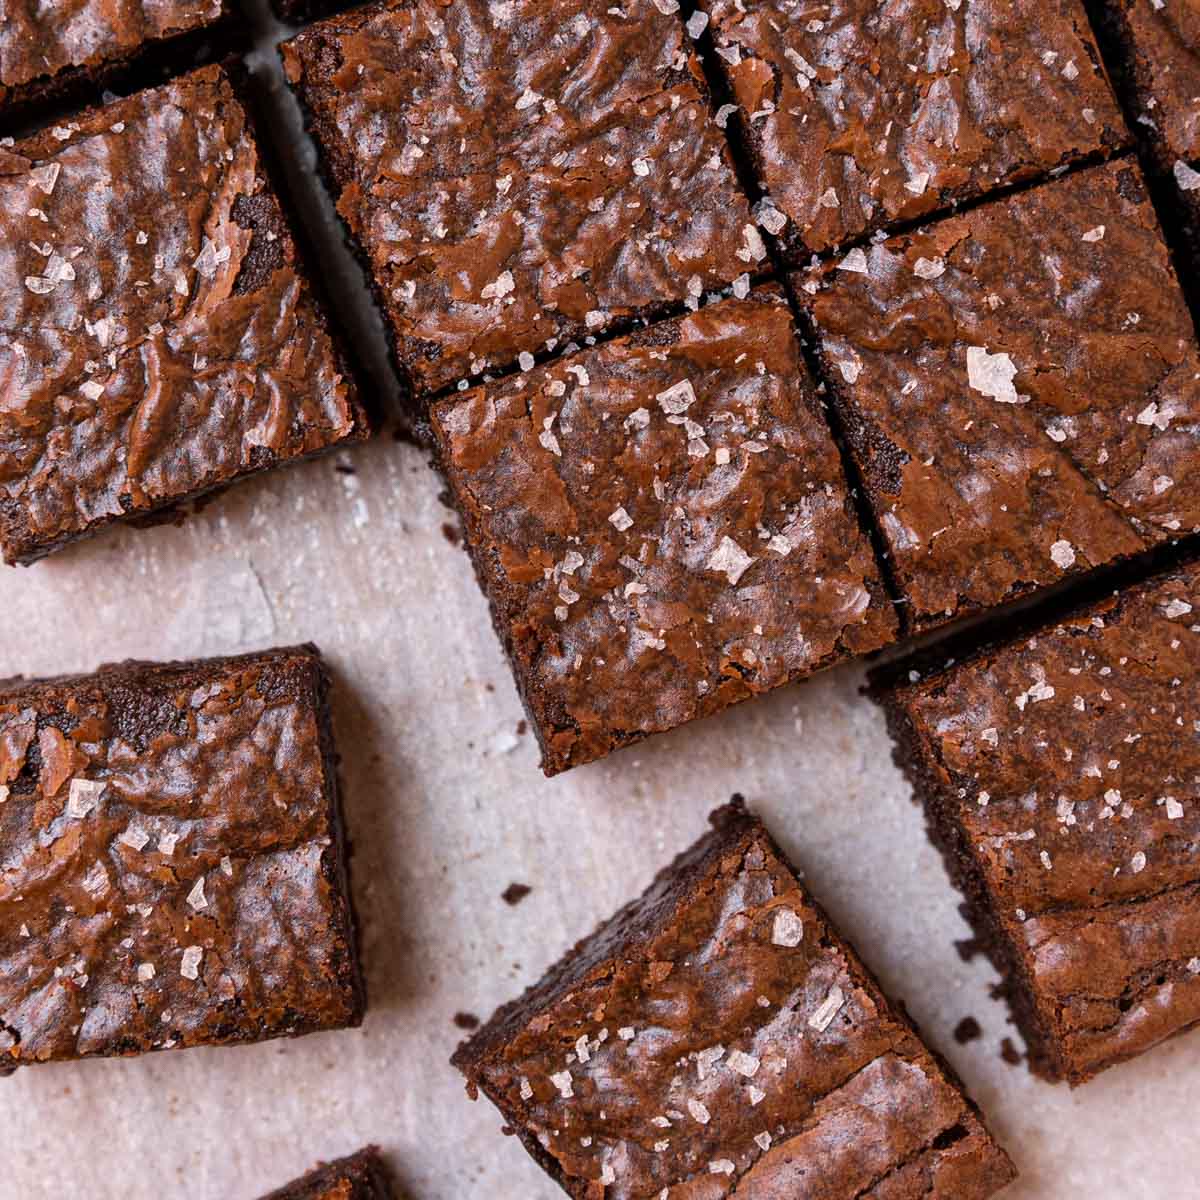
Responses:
[716,1037]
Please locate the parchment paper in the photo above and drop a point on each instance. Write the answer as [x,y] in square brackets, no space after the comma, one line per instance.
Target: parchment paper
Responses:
[446,807]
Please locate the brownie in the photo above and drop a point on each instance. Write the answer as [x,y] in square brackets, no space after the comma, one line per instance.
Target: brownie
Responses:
[521,173]
[50,52]
[1059,775]
[716,1037]
[1020,386]
[159,339]
[358,1176]
[1154,48]
[662,526]
[174,868]
[858,114]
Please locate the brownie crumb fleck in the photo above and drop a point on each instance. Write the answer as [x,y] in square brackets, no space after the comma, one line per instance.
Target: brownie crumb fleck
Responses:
[967,1030]
[515,893]
[466,1020]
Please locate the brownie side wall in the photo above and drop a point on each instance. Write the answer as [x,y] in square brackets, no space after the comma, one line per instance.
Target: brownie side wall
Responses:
[336,169]
[335,862]
[917,760]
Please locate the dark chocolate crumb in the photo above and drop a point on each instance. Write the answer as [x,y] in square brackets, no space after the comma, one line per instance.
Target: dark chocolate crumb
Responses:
[522,727]
[967,1030]
[466,1020]
[451,533]
[1010,1053]
[515,893]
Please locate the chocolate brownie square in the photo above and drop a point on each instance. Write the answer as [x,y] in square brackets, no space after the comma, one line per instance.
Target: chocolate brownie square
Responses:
[717,1037]
[662,526]
[50,52]
[522,173]
[1060,774]
[174,869]
[159,339]
[1020,386]
[359,1176]
[860,114]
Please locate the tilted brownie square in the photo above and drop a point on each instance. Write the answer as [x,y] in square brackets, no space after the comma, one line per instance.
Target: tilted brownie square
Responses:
[1020,386]
[717,1037]
[359,1176]
[521,173]
[1060,774]
[662,527]
[50,52]
[174,868]
[860,114]
[159,338]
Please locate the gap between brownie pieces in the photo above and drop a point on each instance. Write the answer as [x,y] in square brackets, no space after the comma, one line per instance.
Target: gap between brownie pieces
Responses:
[343,288]
[50,98]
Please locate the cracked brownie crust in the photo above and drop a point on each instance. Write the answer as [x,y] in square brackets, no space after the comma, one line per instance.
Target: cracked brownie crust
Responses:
[1061,778]
[662,526]
[859,114]
[1020,386]
[520,173]
[173,872]
[160,339]
[717,1037]
[359,1176]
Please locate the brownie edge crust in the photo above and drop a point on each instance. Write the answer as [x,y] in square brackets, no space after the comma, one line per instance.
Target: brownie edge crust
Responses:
[358,1176]
[717,1036]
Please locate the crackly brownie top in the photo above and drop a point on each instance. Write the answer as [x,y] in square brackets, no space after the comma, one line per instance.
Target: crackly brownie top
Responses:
[862,113]
[168,861]
[1072,761]
[359,1176]
[1022,387]
[39,39]
[1164,38]
[157,337]
[717,1037]
[521,171]
[663,525]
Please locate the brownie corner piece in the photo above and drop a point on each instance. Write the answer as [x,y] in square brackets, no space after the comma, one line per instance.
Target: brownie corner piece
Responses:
[1020,387]
[359,1176]
[1058,774]
[718,1029]
[187,817]
[661,526]
[161,338]
[861,116]
[505,220]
